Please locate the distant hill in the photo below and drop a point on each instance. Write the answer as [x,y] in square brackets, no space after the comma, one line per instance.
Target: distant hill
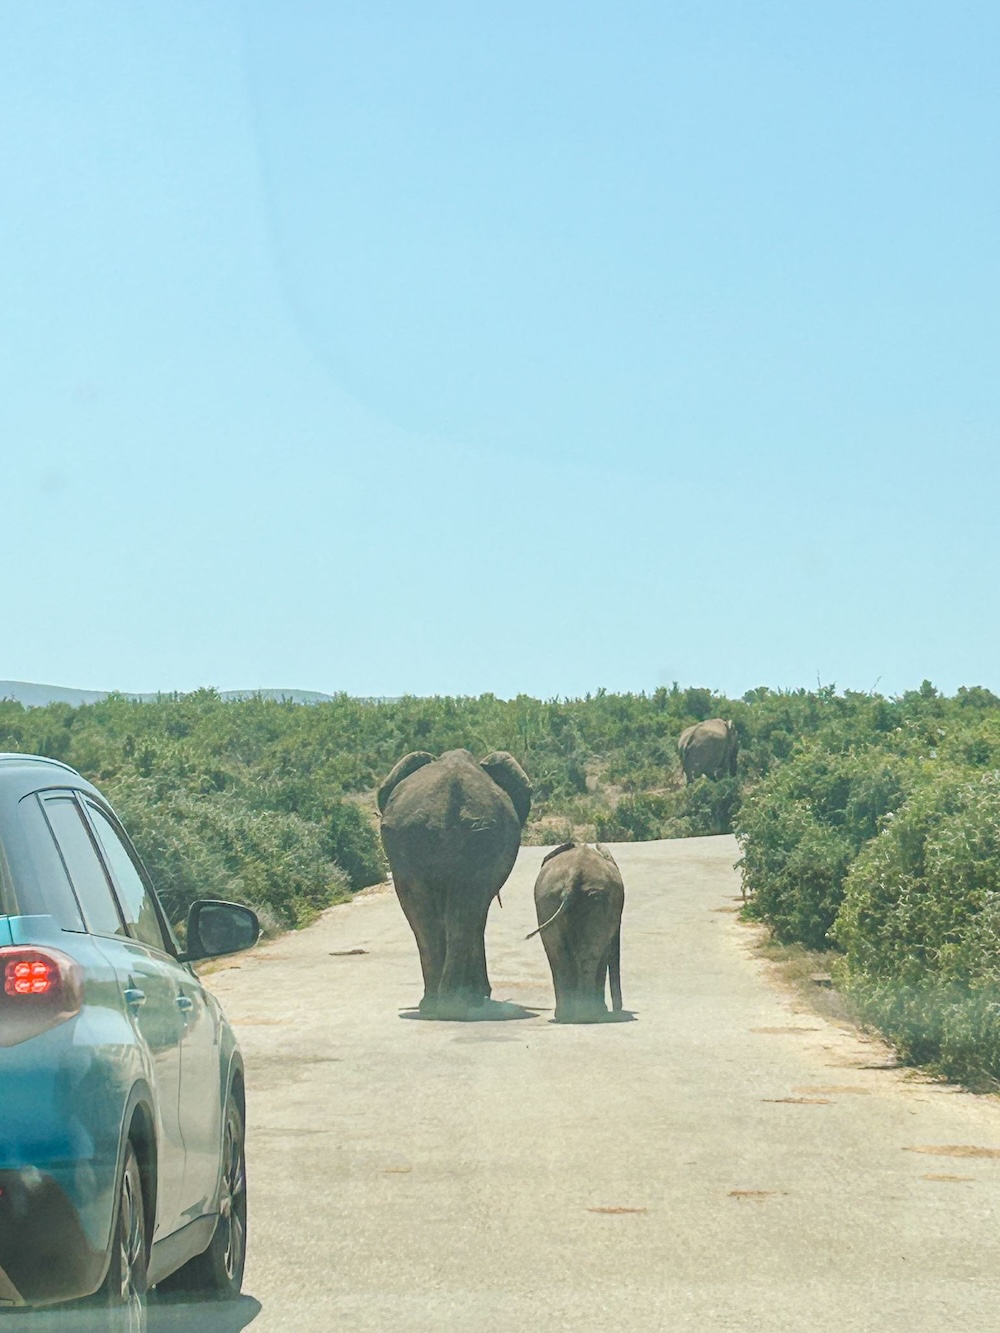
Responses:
[37,696]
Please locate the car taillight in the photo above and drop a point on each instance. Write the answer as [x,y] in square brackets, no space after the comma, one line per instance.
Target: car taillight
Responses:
[39,976]
[41,988]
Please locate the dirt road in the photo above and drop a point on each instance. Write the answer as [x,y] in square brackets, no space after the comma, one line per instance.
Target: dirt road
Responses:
[726,1161]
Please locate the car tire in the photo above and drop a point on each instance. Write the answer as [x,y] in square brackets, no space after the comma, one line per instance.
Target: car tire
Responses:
[123,1292]
[217,1273]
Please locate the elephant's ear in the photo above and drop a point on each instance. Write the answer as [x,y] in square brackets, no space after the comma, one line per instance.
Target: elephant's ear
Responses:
[600,847]
[508,774]
[407,765]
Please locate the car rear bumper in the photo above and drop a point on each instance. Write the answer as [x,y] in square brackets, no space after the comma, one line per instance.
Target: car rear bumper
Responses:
[61,1112]
[44,1251]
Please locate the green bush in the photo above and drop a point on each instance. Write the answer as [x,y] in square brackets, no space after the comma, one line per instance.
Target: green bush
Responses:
[920,926]
[802,826]
[793,868]
[212,847]
[352,842]
[704,807]
[635,819]
[347,829]
[710,806]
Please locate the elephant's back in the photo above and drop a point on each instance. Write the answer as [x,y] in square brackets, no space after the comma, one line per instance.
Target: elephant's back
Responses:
[595,876]
[713,730]
[706,746]
[450,818]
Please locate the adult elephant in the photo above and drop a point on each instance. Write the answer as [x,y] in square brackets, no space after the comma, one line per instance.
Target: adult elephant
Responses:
[451,828]
[709,749]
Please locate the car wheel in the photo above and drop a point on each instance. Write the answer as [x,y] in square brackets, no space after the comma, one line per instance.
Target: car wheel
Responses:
[123,1292]
[218,1272]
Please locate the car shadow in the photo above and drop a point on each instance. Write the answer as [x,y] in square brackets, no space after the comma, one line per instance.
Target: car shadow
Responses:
[201,1316]
[161,1317]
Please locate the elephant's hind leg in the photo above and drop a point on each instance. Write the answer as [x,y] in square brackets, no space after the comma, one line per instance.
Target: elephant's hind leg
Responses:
[464,985]
[613,966]
[580,999]
[481,977]
[599,1001]
[565,976]
[421,911]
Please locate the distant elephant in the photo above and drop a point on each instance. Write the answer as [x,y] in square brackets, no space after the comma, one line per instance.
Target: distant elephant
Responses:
[579,896]
[709,749]
[451,828]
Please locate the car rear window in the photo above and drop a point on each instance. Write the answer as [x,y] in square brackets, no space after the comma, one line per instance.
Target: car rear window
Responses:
[8,902]
[53,894]
[80,858]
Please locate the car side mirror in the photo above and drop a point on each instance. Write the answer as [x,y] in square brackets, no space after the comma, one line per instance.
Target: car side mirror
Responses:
[216,928]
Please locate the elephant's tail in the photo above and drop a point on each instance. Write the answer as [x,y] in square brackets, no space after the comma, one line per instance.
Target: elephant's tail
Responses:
[561,908]
[615,970]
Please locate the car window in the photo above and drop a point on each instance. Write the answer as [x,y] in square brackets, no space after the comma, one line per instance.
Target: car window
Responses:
[84,865]
[8,900]
[54,894]
[141,916]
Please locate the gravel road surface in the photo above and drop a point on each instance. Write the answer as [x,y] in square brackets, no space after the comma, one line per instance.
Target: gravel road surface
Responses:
[727,1160]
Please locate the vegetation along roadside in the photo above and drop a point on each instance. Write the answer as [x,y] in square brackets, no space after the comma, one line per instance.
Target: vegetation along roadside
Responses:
[869,826]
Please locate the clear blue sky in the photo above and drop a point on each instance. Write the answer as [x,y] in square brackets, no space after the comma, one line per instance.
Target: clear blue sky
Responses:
[450,347]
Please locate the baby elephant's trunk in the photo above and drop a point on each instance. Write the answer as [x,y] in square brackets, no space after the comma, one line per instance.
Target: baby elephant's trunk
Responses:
[615,970]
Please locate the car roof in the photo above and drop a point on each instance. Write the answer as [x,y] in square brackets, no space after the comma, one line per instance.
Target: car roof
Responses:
[24,773]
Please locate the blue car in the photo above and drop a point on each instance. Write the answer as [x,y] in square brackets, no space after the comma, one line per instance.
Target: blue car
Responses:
[121,1083]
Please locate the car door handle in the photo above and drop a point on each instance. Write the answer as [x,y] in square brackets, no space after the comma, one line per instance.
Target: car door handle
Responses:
[134,997]
[184,1003]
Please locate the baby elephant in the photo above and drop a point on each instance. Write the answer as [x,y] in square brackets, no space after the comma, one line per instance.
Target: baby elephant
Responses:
[579,898]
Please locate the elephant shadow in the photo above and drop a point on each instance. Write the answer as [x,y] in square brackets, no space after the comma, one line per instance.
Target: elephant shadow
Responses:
[492,1011]
[613,1016]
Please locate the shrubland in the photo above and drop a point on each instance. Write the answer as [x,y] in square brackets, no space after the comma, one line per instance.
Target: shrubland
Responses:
[272,802]
[883,847]
[869,826]
[919,926]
